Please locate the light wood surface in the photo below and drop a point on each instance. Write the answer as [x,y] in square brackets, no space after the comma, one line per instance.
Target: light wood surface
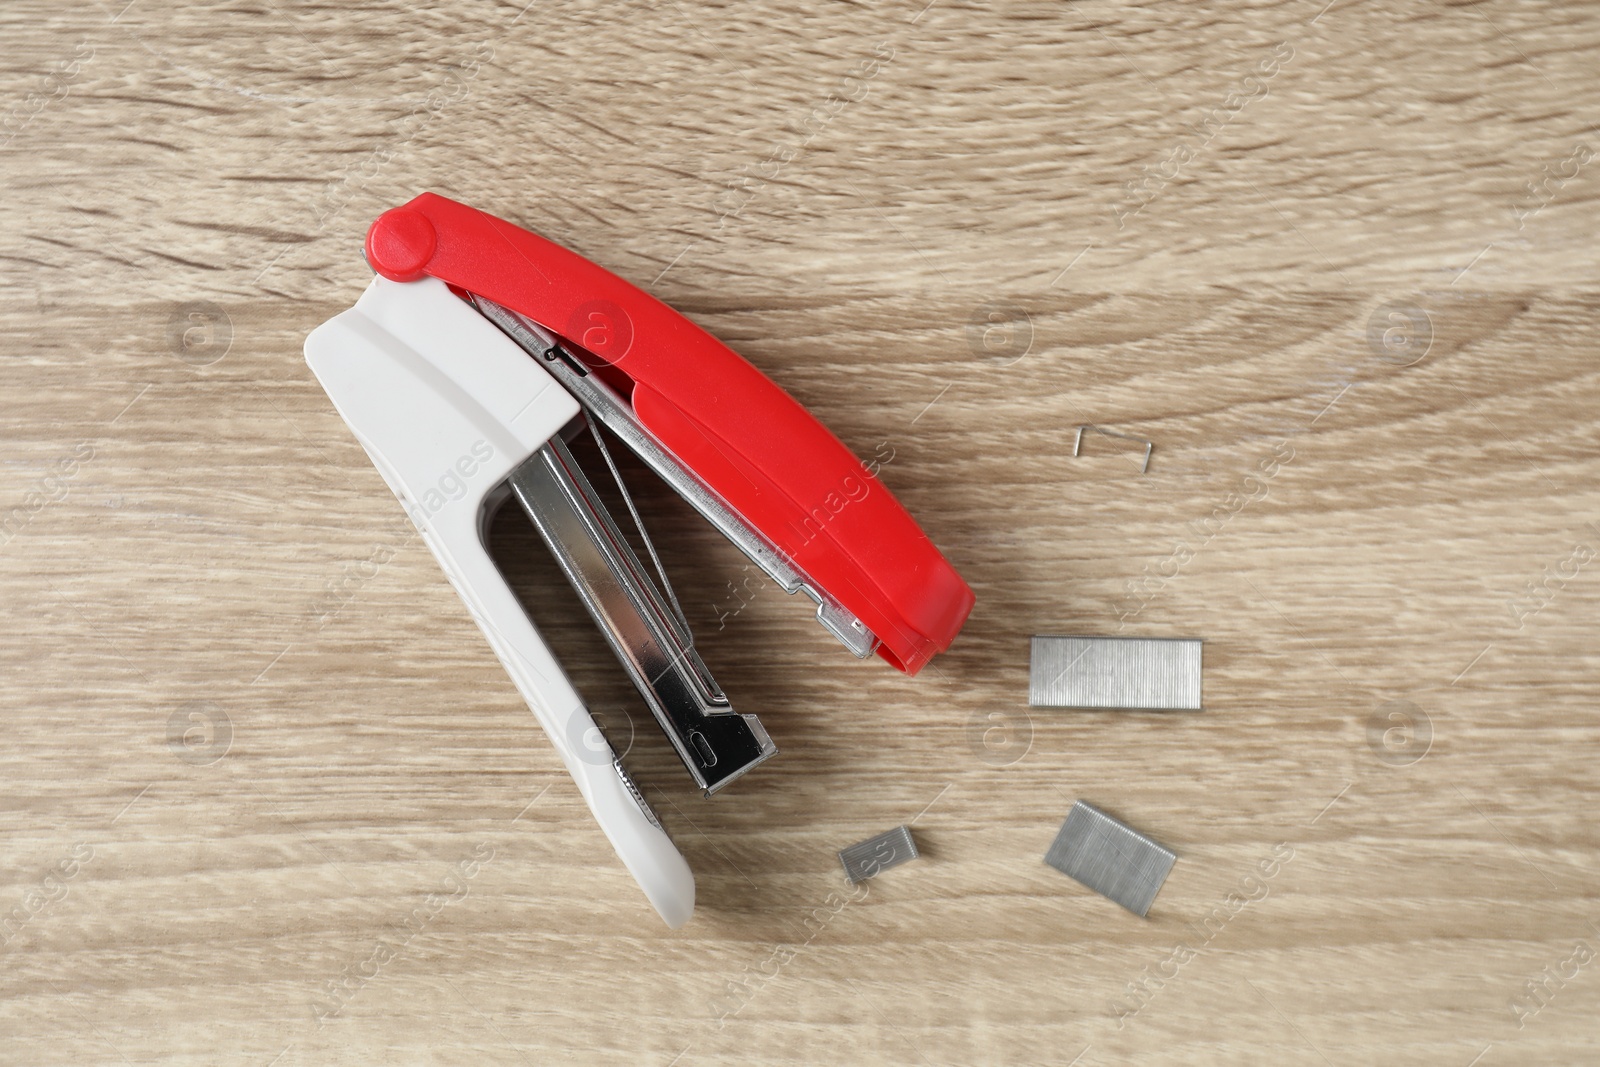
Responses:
[1192,223]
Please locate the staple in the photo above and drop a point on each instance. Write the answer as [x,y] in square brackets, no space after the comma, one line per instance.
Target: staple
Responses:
[1149,446]
[1115,673]
[1111,858]
[888,849]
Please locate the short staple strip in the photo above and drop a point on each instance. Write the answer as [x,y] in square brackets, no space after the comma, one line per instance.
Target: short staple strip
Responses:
[888,849]
[1111,858]
[1135,673]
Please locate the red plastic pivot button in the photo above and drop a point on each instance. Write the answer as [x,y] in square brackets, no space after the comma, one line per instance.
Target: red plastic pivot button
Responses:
[400,243]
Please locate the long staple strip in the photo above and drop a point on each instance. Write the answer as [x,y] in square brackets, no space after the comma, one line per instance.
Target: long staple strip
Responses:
[1111,858]
[1136,673]
[888,849]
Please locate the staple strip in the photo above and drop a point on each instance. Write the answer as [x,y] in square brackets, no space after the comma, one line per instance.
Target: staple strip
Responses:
[888,849]
[1148,673]
[1110,858]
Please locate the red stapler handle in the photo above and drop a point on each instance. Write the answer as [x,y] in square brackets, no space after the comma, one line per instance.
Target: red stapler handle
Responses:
[746,438]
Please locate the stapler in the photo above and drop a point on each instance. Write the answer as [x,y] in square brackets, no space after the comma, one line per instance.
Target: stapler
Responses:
[472,362]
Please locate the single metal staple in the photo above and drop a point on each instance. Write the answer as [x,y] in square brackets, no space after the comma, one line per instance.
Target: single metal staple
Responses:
[1149,446]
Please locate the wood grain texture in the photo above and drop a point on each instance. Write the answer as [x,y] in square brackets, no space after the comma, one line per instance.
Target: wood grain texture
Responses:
[956,232]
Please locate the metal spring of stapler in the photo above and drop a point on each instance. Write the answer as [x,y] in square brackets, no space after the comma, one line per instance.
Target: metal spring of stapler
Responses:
[465,370]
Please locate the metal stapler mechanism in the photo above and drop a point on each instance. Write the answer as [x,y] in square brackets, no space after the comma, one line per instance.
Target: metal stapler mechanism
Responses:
[479,353]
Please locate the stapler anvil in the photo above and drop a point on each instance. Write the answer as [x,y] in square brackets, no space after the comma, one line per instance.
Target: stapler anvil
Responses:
[479,353]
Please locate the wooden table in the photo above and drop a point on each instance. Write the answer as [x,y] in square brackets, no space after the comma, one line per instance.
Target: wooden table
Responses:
[267,798]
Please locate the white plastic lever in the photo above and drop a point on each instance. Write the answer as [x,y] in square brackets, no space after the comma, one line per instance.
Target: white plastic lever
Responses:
[447,407]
